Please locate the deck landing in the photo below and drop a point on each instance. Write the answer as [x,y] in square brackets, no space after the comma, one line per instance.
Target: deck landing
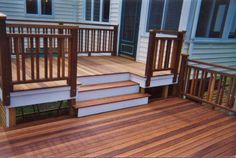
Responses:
[172,127]
[91,66]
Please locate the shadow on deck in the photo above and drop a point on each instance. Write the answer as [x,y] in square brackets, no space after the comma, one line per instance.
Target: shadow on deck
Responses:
[171,127]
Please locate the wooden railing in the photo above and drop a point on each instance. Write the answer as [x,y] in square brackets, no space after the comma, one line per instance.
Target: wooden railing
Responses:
[163,53]
[32,53]
[93,38]
[208,83]
[42,51]
[98,40]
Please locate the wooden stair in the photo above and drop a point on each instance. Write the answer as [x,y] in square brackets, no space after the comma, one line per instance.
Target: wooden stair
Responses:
[104,97]
[108,100]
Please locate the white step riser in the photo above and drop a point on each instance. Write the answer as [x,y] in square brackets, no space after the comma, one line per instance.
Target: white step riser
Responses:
[103,79]
[107,93]
[111,107]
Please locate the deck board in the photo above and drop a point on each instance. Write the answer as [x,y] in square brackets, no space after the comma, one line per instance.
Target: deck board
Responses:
[94,65]
[171,127]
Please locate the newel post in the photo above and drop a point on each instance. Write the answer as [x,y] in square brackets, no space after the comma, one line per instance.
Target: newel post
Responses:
[180,37]
[72,70]
[73,62]
[181,80]
[150,55]
[114,53]
[5,63]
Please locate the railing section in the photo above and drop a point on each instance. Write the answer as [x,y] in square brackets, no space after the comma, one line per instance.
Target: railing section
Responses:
[163,53]
[32,53]
[209,83]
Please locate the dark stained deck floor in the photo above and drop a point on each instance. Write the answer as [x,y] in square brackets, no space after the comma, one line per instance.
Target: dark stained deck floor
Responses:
[172,127]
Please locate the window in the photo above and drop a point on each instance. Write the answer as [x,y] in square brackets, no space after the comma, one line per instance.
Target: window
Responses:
[32,6]
[232,33]
[212,18]
[46,7]
[164,14]
[41,7]
[97,10]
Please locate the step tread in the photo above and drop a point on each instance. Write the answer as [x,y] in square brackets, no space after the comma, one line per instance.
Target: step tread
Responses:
[107,100]
[85,88]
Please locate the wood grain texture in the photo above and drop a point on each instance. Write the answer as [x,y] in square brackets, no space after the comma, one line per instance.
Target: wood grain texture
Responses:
[167,128]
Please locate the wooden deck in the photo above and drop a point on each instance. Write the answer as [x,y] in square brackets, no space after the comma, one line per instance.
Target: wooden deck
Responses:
[89,66]
[172,127]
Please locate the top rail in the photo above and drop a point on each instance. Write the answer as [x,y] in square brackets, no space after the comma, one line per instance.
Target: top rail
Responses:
[211,64]
[59,22]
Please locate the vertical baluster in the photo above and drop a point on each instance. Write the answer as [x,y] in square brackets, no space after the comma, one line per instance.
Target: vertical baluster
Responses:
[16,47]
[32,57]
[50,58]
[196,82]
[161,54]
[37,58]
[167,57]
[155,54]
[99,41]
[219,87]
[58,57]
[63,56]
[23,58]
[231,85]
[187,79]
[45,46]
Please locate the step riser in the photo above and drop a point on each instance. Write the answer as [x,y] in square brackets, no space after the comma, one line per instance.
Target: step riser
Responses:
[107,93]
[111,106]
[103,79]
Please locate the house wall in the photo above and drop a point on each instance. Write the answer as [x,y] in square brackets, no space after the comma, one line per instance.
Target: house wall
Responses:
[219,51]
[65,10]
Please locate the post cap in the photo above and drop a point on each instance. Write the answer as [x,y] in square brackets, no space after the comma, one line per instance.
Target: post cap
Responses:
[2,16]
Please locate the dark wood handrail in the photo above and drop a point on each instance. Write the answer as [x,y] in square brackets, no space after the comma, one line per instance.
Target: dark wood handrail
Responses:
[211,64]
[60,22]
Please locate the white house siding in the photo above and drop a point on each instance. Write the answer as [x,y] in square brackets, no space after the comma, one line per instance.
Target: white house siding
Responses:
[223,53]
[64,10]
[115,6]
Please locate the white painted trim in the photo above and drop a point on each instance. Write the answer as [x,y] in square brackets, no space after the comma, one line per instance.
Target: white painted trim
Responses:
[0,94]
[229,19]
[185,14]
[112,106]
[38,97]
[7,117]
[195,19]
[88,80]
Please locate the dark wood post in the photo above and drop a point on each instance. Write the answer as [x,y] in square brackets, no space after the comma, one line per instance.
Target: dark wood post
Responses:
[181,80]
[73,62]
[114,53]
[72,74]
[5,63]
[150,55]
[180,37]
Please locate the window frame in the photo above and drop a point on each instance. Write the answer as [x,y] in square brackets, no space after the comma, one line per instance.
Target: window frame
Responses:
[100,12]
[39,9]
[163,16]
[227,26]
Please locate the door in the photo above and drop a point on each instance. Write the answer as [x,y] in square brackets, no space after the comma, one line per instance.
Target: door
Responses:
[129,27]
